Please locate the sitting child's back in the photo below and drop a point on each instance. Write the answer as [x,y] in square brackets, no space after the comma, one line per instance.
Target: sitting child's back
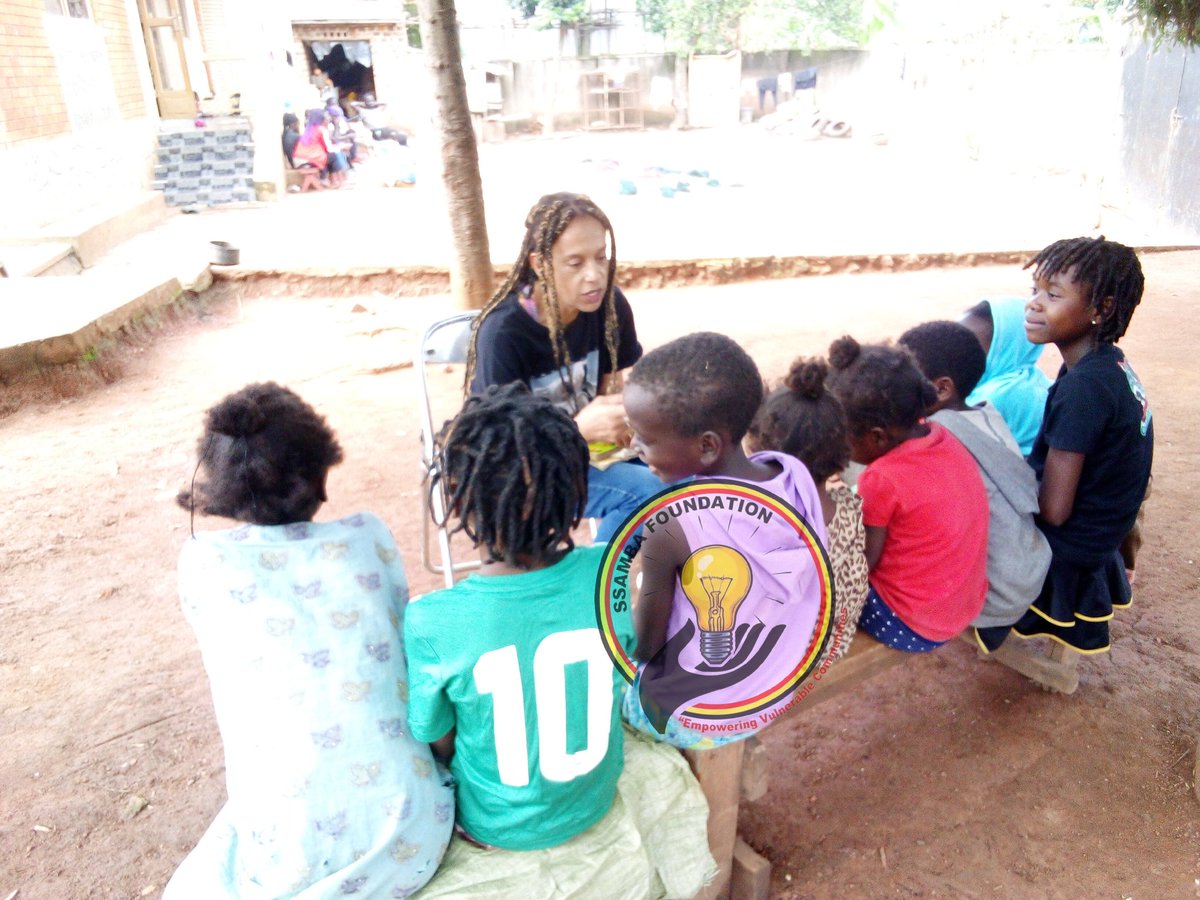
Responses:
[517,662]
[689,404]
[512,681]
[932,572]
[924,504]
[299,625]
[802,418]
[1018,554]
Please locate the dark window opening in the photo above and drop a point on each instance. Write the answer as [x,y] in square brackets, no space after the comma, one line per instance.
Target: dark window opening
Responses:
[346,63]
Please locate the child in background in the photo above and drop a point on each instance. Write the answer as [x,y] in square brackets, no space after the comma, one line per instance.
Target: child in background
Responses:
[1011,380]
[299,626]
[924,504]
[1094,452]
[803,419]
[512,682]
[689,404]
[1018,554]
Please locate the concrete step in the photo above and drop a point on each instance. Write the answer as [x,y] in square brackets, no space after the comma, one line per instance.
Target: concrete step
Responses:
[93,232]
[51,258]
[51,321]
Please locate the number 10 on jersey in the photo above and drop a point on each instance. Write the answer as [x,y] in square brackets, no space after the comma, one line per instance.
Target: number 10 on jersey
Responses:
[497,673]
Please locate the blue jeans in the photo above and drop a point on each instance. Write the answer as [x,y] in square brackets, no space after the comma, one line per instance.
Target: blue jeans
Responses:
[616,492]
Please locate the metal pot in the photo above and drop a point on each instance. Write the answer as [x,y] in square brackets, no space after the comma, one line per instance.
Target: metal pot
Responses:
[225,254]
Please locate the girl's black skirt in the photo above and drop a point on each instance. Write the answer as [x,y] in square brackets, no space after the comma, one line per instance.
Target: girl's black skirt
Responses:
[1074,608]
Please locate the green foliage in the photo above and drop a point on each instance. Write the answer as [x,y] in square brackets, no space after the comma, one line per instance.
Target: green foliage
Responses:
[1175,21]
[803,24]
[876,16]
[705,26]
[713,26]
[551,13]
[411,27]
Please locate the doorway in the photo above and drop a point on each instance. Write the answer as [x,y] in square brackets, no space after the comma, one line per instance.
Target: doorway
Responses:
[162,26]
[346,63]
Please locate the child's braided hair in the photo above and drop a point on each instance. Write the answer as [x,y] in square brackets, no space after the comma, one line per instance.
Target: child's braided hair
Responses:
[544,225]
[1107,268]
[514,470]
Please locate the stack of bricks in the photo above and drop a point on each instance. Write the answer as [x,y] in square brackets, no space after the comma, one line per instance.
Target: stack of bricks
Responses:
[209,166]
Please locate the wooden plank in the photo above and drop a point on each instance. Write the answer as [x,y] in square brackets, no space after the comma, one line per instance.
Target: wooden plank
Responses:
[751,878]
[755,770]
[719,772]
[865,659]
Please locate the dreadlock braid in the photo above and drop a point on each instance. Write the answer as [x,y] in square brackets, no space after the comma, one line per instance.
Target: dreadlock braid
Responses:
[514,469]
[544,225]
[1109,269]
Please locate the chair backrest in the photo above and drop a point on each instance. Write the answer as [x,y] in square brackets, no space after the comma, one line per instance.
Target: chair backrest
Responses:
[443,342]
[446,340]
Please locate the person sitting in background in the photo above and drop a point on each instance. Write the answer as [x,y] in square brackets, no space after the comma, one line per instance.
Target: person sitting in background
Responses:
[313,148]
[341,134]
[372,114]
[291,135]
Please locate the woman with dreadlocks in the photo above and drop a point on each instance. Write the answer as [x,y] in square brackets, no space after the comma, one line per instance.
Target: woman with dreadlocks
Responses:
[561,326]
[1093,453]
[510,681]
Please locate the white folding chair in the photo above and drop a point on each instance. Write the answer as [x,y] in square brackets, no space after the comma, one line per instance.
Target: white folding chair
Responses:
[444,342]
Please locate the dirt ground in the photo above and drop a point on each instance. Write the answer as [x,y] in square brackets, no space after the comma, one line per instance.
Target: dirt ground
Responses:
[947,777]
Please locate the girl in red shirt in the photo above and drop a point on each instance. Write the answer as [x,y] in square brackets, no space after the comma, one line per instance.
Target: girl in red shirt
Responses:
[924,504]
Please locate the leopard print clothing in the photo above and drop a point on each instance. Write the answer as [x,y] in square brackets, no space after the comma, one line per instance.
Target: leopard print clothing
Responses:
[847,558]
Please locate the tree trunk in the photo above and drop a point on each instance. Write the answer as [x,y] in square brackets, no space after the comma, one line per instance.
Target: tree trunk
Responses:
[681,91]
[472,278]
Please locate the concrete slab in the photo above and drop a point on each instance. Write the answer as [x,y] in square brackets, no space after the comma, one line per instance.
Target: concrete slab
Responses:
[51,321]
[93,232]
[53,258]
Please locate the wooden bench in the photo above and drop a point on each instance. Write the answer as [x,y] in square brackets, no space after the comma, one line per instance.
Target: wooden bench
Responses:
[738,771]
[306,176]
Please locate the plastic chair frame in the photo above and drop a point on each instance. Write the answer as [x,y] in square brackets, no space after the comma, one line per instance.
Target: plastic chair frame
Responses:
[443,342]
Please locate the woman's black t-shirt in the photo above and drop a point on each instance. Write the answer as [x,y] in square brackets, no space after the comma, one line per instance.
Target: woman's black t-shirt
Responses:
[513,346]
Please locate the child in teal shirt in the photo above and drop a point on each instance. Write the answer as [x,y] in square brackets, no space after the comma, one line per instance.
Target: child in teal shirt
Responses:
[511,681]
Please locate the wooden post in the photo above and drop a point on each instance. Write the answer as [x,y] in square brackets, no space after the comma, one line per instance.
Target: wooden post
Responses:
[751,878]
[719,772]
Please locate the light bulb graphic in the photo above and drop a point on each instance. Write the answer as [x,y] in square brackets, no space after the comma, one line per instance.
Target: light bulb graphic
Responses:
[715,580]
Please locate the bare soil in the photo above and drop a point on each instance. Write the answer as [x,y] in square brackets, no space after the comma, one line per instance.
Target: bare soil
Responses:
[949,776]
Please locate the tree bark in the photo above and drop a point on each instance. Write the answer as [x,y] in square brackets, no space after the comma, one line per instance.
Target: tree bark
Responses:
[472,278]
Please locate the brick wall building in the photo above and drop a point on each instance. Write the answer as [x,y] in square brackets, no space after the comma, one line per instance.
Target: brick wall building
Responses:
[76,120]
